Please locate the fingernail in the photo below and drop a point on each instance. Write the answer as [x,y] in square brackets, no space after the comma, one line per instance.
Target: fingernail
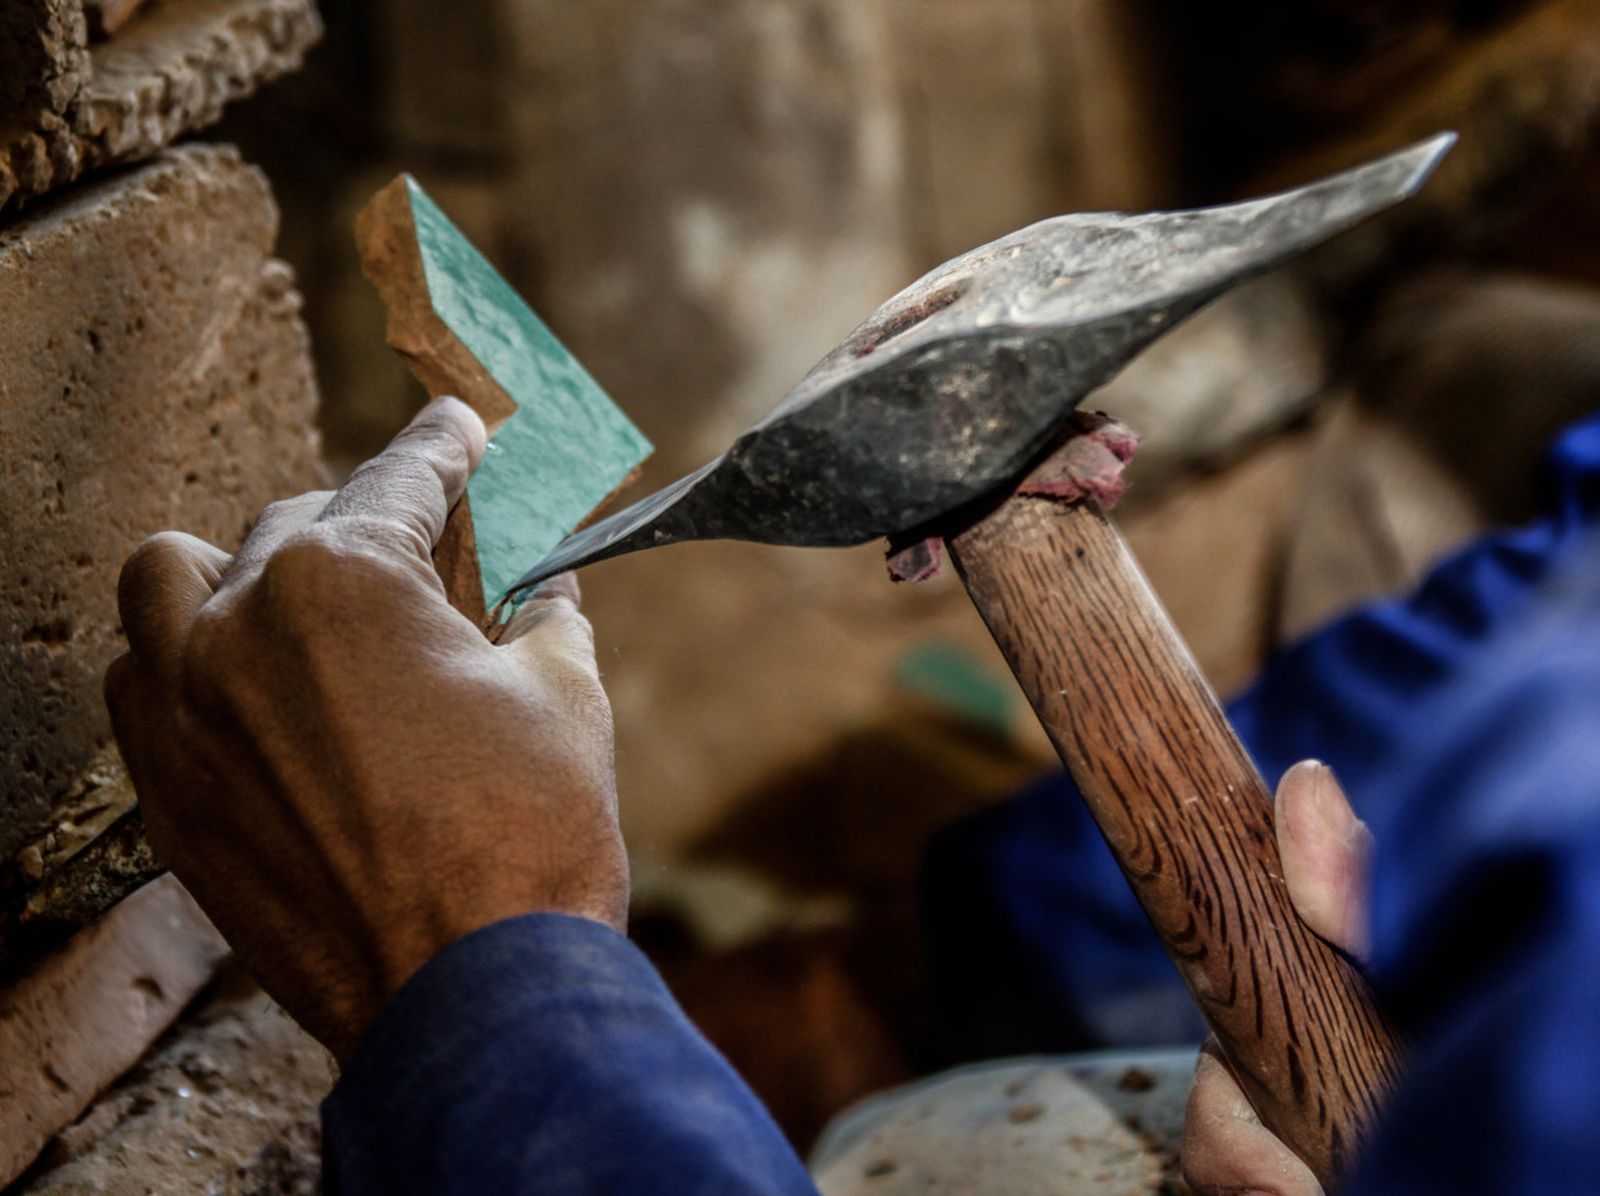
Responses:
[1332,806]
[1307,768]
[1327,801]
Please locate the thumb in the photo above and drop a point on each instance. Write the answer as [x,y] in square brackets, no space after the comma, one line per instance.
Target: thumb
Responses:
[1326,852]
[1226,1150]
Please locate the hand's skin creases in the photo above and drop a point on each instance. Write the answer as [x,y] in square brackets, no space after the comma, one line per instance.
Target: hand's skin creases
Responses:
[339,766]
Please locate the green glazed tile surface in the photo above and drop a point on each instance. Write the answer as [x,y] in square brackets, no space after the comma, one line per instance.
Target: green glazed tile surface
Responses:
[567,447]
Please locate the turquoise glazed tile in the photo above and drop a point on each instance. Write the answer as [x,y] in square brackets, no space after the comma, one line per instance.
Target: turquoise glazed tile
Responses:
[567,447]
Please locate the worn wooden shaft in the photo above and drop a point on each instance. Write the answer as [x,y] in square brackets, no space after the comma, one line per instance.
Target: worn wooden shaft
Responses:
[1186,814]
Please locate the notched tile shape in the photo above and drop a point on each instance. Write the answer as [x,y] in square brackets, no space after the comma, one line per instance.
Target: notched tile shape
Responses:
[559,448]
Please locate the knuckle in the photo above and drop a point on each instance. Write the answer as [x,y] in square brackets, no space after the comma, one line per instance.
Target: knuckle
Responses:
[277,509]
[392,538]
[584,700]
[309,570]
[435,444]
[305,560]
[156,552]
[579,625]
[558,626]
[149,563]
[156,583]
[367,546]
[329,567]
[298,508]
[403,468]
[214,628]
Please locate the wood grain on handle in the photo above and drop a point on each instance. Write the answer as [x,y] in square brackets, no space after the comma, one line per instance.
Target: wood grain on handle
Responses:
[1186,814]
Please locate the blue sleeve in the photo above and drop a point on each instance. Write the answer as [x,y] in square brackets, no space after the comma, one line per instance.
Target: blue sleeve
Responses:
[544,1054]
[1486,917]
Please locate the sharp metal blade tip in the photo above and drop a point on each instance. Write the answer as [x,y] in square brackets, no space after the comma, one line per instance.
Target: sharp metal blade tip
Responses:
[1427,155]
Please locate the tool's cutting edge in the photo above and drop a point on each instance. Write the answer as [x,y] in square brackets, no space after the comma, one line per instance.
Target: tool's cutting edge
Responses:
[1002,342]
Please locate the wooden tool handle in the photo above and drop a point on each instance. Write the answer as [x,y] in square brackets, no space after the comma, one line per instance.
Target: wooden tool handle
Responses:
[1186,814]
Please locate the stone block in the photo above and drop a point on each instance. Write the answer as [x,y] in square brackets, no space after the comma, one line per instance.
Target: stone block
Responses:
[156,375]
[67,107]
[226,1105]
[86,1014]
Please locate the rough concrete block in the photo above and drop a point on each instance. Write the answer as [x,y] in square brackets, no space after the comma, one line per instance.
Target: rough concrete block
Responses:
[67,107]
[85,1015]
[156,374]
[226,1105]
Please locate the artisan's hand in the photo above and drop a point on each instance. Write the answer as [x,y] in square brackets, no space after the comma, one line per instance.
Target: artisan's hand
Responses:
[344,772]
[1325,850]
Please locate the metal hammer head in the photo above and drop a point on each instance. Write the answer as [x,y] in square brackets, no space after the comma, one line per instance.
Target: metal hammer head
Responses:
[953,387]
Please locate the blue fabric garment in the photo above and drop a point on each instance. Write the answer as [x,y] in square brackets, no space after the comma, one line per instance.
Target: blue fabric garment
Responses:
[1486,915]
[544,1054]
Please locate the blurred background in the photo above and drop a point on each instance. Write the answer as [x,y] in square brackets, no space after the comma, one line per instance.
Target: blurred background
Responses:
[702,197]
